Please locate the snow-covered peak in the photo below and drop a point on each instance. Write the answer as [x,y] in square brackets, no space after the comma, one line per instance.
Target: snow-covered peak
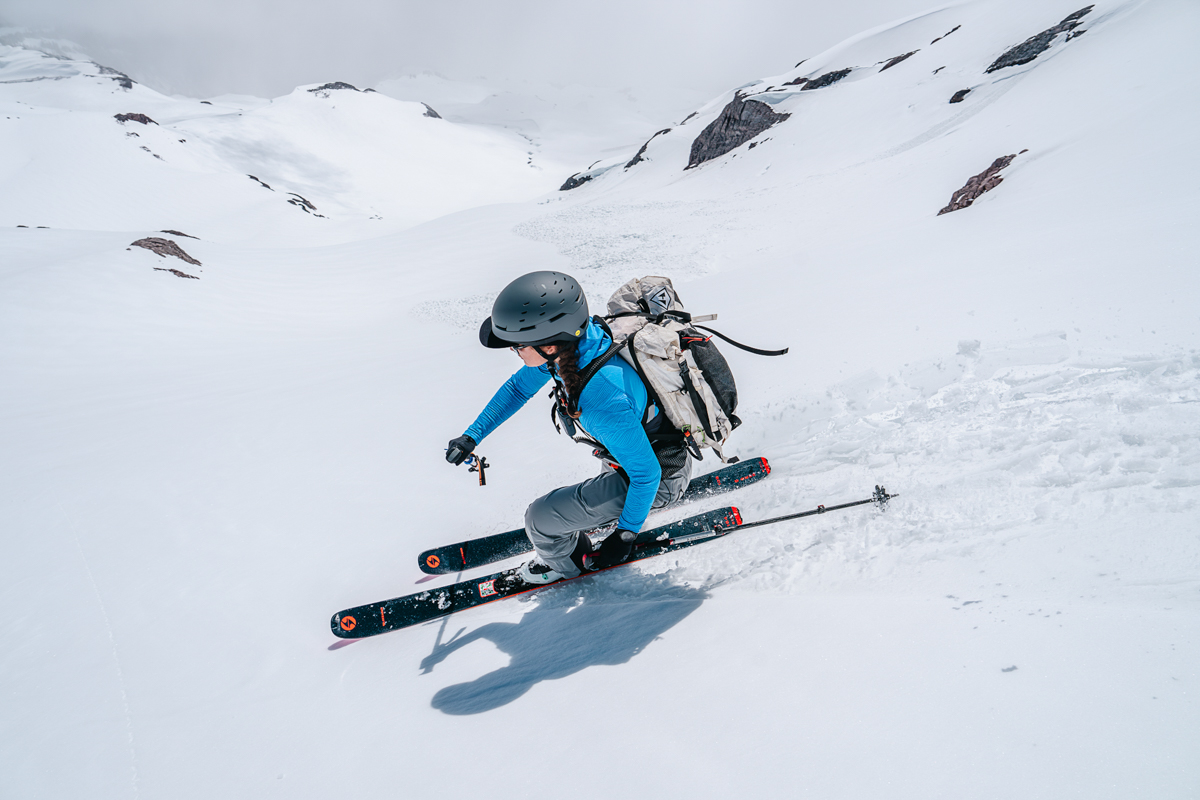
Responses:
[326,162]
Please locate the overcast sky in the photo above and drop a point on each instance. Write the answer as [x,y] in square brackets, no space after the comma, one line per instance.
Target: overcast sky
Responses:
[267,47]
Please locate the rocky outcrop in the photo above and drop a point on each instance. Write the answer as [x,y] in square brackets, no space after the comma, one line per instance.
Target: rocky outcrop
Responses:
[177,273]
[429,112]
[828,79]
[1034,46]
[739,122]
[637,159]
[165,247]
[123,80]
[260,182]
[181,233]
[142,118]
[959,95]
[897,60]
[329,87]
[575,181]
[983,182]
[947,33]
[304,205]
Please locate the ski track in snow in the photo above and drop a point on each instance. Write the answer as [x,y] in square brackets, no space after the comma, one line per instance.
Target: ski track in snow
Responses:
[116,657]
[1039,450]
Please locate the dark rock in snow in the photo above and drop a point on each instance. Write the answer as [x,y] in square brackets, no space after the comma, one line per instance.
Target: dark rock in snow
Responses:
[689,116]
[828,79]
[959,95]
[738,123]
[429,112]
[142,118]
[205,103]
[796,81]
[181,233]
[574,182]
[983,182]
[1034,46]
[304,205]
[335,85]
[897,60]
[164,247]
[947,33]
[177,273]
[637,159]
[121,78]
[260,182]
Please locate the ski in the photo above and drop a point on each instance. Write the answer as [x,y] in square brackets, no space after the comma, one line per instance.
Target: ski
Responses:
[413,609]
[401,612]
[497,547]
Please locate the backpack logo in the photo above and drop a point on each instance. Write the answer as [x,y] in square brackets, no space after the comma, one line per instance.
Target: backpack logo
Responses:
[659,300]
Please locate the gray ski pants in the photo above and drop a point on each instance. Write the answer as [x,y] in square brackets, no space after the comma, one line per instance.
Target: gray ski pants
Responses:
[554,522]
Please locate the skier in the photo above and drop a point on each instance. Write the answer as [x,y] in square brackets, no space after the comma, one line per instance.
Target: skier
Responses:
[543,317]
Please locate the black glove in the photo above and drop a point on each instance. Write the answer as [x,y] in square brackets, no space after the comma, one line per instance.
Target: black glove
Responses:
[458,449]
[613,550]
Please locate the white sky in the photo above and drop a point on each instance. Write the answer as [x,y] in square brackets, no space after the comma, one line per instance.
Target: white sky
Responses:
[267,47]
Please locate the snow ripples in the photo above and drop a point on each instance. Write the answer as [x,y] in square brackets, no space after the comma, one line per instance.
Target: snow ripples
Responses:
[1096,450]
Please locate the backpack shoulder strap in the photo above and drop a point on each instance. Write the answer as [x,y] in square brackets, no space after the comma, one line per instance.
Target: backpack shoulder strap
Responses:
[589,372]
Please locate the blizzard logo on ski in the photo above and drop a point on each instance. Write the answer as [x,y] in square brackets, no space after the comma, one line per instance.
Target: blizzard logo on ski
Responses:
[659,300]
[433,561]
[488,588]
[348,623]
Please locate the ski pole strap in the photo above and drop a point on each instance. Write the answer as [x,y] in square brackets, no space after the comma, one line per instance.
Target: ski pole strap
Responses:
[741,346]
[478,464]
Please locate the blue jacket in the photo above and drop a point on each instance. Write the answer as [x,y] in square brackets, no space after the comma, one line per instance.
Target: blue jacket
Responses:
[611,410]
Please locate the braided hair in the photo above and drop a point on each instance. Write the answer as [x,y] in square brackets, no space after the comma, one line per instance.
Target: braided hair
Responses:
[566,363]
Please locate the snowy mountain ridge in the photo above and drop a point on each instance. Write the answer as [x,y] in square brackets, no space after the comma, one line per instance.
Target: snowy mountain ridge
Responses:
[342,151]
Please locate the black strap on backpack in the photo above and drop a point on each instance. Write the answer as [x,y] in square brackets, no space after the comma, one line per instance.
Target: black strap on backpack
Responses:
[741,346]
[684,316]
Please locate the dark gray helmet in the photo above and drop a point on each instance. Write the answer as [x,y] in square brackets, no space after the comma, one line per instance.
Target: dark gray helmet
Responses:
[538,308]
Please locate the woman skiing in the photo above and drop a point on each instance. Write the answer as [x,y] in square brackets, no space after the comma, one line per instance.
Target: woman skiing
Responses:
[544,318]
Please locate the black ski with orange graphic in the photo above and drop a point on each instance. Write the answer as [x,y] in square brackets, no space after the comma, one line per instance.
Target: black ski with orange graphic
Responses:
[497,547]
[413,609]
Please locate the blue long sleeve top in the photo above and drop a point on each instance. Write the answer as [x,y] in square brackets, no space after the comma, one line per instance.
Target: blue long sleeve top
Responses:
[611,410]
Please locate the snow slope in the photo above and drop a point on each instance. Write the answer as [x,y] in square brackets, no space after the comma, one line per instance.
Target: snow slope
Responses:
[197,473]
[359,158]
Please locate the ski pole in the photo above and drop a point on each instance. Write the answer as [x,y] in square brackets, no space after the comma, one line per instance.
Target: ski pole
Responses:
[478,464]
[880,498]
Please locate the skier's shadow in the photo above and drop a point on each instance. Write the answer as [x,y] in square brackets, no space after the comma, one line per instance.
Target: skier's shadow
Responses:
[569,630]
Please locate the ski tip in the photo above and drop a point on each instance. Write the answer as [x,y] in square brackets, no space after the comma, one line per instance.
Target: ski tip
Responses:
[342,625]
[766,465]
[737,515]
